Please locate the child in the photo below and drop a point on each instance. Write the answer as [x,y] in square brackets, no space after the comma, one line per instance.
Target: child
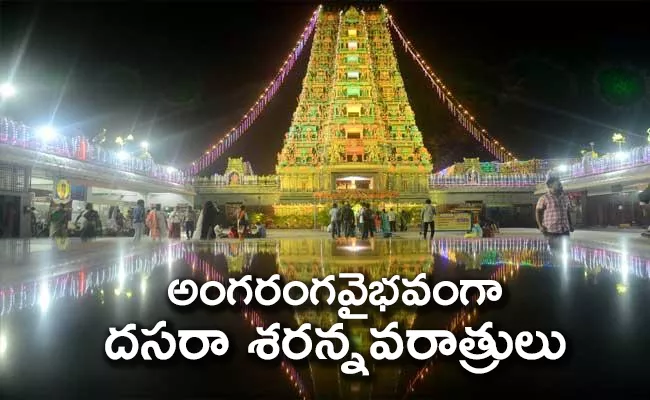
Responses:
[476,232]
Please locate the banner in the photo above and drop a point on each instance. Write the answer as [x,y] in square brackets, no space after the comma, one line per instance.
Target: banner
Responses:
[453,222]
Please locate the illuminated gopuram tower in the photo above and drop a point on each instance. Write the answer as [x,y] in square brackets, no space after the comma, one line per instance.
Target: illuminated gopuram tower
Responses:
[353,135]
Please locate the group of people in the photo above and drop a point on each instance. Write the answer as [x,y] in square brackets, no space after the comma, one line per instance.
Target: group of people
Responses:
[207,225]
[344,222]
[159,226]
[88,221]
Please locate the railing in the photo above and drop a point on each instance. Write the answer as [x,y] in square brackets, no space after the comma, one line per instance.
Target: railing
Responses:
[487,180]
[79,148]
[242,180]
[636,157]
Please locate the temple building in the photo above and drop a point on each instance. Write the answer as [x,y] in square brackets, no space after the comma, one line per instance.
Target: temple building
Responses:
[353,137]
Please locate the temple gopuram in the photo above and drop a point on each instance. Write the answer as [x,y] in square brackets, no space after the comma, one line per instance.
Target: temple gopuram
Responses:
[353,137]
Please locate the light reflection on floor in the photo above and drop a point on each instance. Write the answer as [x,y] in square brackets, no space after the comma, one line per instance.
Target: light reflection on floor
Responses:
[501,258]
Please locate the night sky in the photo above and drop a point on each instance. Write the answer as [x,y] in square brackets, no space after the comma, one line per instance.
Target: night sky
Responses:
[544,78]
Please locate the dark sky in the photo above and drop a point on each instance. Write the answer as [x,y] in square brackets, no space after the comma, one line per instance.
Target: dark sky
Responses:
[543,78]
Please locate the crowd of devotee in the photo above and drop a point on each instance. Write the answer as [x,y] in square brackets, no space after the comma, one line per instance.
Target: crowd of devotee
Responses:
[362,221]
[211,222]
[179,223]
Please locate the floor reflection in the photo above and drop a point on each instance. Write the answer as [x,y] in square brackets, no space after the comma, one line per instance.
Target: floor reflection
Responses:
[570,287]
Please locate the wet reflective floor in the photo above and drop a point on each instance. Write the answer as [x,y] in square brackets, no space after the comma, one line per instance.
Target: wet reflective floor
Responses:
[56,308]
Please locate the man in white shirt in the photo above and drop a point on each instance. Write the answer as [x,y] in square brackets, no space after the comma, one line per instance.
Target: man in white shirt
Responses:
[392,220]
[427,214]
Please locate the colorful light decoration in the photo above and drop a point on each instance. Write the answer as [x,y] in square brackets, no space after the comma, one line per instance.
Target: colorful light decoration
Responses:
[589,258]
[620,160]
[217,149]
[47,140]
[461,113]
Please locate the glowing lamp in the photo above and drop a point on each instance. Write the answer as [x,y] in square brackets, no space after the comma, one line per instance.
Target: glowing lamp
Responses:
[7,90]
[46,133]
[622,155]
[122,155]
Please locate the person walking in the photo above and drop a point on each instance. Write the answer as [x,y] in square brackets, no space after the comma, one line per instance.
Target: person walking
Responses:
[189,221]
[426,216]
[553,212]
[138,221]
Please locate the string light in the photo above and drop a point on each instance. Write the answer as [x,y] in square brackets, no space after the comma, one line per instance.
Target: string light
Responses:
[466,120]
[81,148]
[267,94]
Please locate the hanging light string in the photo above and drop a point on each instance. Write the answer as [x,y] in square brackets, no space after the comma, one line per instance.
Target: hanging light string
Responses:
[461,113]
[217,149]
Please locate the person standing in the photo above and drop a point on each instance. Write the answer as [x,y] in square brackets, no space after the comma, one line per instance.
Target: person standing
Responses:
[426,216]
[59,222]
[403,221]
[392,220]
[359,219]
[92,224]
[242,222]
[347,216]
[209,221]
[175,219]
[334,220]
[386,228]
[368,221]
[189,219]
[553,212]
[138,221]
[157,223]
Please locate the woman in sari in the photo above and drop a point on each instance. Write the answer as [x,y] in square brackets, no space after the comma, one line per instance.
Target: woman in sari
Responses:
[385,224]
[157,223]
[198,226]
[59,222]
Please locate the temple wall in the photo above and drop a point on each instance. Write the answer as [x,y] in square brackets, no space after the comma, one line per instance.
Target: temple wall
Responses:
[245,197]
[501,197]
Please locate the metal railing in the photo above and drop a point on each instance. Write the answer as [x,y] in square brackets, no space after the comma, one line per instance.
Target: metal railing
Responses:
[612,162]
[487,180]
[218,180]
[79,148]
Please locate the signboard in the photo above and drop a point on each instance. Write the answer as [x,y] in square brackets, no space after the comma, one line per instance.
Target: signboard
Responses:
[78,192]
[62,191]
[453,222]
